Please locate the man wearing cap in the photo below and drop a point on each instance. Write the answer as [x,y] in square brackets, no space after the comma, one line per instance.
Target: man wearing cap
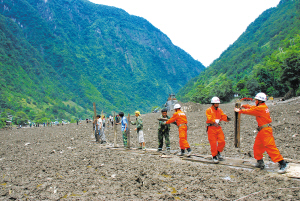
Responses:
[163,131]
[215,133]
[139,129]
[180,118]
[264,140]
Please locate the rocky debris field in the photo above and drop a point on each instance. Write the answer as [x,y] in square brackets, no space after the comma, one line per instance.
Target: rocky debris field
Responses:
[64,162]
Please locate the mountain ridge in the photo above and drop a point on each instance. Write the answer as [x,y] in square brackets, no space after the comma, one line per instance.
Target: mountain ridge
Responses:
[90,53]
[254,62]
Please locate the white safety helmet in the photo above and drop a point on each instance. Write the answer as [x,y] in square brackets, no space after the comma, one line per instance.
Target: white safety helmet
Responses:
[177,106]
[215,100]
[261,96]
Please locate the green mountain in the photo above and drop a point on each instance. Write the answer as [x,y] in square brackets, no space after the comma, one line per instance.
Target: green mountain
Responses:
[59,56]
[266,57]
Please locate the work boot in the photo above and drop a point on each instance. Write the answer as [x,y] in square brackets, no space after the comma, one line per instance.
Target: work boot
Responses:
[139,147]
[144,148]
[220,157]
[189,152]
[181,153]
[283,166]
[215,159]
[159,149]
[260,164]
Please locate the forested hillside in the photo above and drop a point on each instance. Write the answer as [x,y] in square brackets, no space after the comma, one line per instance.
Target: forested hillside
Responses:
[59,56]
[266,57]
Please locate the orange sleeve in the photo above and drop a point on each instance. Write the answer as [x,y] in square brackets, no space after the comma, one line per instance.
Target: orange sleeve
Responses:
[210,116]
[253,110]
[172,119]
[223,116]
[247,106]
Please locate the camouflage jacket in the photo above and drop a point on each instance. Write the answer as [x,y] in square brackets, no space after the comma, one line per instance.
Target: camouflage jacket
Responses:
[138,123]
[162,126]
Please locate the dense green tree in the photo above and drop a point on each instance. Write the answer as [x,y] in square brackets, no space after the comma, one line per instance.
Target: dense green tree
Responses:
[264,58]
[291,70]
[20,118]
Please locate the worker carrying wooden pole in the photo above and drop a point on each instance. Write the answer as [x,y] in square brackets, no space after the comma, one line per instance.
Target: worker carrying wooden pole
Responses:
[264,140]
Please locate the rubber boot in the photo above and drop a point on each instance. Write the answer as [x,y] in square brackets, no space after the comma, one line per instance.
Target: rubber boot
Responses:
[260,164]
[220,157]
[181,153]
[189,152]
[283,166]
[215,159]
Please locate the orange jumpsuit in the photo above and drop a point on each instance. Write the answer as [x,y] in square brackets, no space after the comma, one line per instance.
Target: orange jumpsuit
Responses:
[180,118]
[264,140]
[215,134]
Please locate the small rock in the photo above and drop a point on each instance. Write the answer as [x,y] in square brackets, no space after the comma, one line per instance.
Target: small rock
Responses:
[113,176]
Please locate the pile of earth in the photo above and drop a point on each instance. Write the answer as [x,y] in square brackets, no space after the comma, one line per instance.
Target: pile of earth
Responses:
[64,162]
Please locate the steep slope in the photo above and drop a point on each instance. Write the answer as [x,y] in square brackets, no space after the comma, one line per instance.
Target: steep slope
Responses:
[257,61]
[87,53]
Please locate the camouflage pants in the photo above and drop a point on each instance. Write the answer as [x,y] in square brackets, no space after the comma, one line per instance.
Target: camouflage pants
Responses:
[124,138]
[161,135]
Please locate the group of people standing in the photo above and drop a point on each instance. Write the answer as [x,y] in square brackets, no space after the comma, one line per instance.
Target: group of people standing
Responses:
[264,141]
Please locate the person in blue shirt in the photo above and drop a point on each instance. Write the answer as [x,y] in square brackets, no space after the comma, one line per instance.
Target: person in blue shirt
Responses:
[124,124]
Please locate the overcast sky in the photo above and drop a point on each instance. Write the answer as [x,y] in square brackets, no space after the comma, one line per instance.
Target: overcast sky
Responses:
[203,28]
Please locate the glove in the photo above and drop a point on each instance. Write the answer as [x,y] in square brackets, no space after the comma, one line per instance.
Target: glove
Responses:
[228,119]
[217,121]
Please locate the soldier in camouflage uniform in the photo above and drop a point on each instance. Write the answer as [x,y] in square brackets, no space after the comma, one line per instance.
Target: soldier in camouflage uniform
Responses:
[139,130]
[163,131]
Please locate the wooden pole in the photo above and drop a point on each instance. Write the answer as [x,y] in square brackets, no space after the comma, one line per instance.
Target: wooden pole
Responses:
[115,131]
[128,131]
[237,125]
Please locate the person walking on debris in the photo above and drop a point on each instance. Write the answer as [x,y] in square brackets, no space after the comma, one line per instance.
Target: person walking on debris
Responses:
[163,131]
[123,128]
[98,125]
[180,118]
[216,138]
[264,140]
[139,129]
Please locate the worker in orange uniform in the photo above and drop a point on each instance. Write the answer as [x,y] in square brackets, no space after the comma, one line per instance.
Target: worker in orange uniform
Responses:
[215,133]
[180,118]
[264,140]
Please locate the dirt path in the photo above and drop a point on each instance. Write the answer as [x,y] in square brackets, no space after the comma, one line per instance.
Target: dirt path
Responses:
[50,163]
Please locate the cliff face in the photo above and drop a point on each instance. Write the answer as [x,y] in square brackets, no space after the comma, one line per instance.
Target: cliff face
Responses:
[99,54]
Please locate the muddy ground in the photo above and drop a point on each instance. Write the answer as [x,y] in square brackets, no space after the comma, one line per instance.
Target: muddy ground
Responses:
[64,162]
